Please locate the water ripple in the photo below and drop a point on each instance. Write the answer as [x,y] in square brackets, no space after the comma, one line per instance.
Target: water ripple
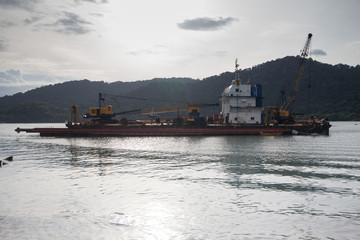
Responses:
[234,187]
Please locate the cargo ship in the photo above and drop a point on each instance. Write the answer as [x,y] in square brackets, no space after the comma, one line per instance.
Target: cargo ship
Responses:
[241,113]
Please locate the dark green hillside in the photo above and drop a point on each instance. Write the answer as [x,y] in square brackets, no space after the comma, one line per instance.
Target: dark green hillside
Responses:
[155,93]
[36,111]
[65,94]
[334,92]
[56,99]
[338,95]
[325,90]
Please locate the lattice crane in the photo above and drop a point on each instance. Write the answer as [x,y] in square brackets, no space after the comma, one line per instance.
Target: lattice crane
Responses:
[283,113]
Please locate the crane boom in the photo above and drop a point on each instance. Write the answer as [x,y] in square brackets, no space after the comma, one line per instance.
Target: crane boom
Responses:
[106,113]
[295,88]
[181,108]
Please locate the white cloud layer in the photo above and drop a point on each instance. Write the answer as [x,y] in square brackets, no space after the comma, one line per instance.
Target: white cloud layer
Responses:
[137,40]
[23,4]
[70,23]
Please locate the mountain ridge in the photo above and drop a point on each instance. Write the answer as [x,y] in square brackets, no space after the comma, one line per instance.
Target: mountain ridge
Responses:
[330,91]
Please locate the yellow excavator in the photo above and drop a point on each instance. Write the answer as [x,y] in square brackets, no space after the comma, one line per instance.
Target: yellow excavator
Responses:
[106,112]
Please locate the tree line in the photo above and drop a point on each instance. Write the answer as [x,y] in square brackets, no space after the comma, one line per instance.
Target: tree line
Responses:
[331,91]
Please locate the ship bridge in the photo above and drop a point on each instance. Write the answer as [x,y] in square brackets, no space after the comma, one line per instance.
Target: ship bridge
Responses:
[242,103]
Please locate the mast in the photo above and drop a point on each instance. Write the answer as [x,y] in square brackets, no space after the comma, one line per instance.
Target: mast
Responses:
[237,82]
[237,74]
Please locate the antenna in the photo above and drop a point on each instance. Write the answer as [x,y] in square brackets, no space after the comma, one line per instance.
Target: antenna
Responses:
[237,75]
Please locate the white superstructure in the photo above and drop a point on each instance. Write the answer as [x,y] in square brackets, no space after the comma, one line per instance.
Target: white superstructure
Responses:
[241,103]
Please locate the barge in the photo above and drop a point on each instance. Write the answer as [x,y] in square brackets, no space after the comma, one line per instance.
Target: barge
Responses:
[164,130]
[241,113]
[155,130]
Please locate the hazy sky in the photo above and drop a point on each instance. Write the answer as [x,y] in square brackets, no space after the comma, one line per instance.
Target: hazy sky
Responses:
[48,41]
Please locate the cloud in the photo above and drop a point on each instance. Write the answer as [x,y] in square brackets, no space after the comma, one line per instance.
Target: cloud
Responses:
[97,14]
[205,23]
[92,1]
[7,24]
[14,77]
[31,20]
[13,81]
[3,45]
[318,52]
[10,77]
[143,52]
[355,45]
[70,24]
[158,49]
[220,53]
[24,4]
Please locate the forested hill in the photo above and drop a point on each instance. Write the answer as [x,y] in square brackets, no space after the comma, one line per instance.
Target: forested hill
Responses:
[326,90]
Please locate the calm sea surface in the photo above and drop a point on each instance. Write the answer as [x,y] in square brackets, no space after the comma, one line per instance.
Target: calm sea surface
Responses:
[231,187]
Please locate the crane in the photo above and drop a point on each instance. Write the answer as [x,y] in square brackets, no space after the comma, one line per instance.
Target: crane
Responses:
[303,55]
[106,114]
[283,114]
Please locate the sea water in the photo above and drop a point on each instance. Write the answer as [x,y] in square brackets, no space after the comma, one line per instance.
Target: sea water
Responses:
[223,187]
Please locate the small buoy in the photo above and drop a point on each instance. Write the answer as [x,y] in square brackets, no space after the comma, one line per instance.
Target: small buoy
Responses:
[9,158]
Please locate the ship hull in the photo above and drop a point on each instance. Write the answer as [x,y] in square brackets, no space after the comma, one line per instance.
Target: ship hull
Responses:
[119,130]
